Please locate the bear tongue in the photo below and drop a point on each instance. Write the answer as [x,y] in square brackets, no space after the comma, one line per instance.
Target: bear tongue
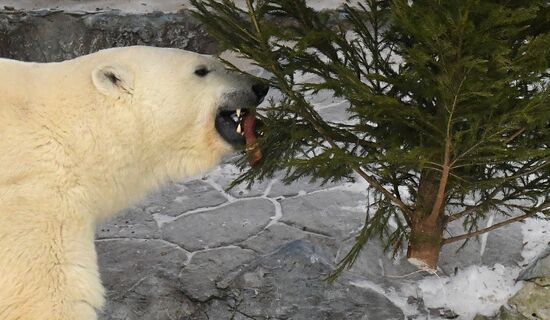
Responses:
[252,147]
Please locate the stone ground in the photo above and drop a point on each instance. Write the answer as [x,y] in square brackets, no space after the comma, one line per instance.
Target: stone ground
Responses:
[196,251]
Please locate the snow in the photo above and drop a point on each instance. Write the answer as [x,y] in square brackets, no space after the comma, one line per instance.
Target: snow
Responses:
[536,237]
[474,290]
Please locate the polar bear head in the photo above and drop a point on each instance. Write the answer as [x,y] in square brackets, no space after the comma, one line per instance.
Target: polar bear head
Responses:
[187,102]
[162,113]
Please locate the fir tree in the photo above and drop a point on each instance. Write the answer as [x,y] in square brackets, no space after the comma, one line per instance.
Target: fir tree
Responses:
[449,104]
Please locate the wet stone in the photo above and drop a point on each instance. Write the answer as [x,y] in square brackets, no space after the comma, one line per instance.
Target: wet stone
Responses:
[538,269]
[222,226]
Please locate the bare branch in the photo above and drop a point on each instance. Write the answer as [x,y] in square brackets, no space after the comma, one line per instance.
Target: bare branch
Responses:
[375,184]
[515,135]
[543,206]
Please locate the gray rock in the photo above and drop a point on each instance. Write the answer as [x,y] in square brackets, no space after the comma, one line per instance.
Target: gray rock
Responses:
[289,284]
[226,225]
[503,314]
[198,278]
[245,191]
[50,35]
[377,266]
[532,301]
[323,97]
[177,198]
[216,309]
[503,246]
[540,268]
[336,113]
[336,213]
[141,278]
[297,187]
[455,256]
[132,223]
[228,172]
[280,234]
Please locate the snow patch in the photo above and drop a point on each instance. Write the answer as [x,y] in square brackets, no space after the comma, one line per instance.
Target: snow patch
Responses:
[474,290]
[536,238]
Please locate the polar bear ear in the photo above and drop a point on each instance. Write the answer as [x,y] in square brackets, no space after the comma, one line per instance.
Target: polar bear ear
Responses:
[113,80]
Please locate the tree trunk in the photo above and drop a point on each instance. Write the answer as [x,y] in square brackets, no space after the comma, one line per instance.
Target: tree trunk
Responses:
[425,243]
[427,227]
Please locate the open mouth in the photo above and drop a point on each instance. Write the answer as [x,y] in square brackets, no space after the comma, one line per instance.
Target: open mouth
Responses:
[238,128]
[235,126]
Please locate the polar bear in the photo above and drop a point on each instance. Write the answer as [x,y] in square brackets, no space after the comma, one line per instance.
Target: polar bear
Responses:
[84,138]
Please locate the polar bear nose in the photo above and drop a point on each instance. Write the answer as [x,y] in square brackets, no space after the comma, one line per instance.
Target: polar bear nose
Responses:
[260,90]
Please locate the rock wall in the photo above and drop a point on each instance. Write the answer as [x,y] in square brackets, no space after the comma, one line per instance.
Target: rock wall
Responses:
[50,35]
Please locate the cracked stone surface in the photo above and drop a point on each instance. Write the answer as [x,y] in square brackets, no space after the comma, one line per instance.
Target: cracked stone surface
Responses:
[272,287]
[195,251]
[141,279]
[335,213]
[132,223]
[178,198]
[223,226]
[198,279]
[279,234]
[300,186]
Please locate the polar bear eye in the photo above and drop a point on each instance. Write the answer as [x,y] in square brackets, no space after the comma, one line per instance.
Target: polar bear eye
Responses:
[202,71]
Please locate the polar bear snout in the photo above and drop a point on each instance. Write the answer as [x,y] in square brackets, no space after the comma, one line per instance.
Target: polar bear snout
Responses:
[237,109]
[260,90]
[245,98]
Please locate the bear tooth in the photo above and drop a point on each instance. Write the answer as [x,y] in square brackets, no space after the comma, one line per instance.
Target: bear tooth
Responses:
[239,112]
[239,128]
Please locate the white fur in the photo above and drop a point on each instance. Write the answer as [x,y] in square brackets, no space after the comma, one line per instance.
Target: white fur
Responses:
[74,149]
